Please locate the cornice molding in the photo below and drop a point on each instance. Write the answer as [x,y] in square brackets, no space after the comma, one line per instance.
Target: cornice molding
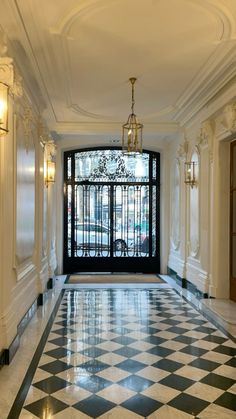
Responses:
[216,73]
[103,127]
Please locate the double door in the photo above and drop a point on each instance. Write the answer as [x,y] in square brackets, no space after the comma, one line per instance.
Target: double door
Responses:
[111,212]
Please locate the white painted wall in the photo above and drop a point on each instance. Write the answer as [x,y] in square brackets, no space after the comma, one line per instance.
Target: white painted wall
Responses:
[26,259]
[202,253]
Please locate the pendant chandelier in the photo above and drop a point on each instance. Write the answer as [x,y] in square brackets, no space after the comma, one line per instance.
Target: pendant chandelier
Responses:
[132,135]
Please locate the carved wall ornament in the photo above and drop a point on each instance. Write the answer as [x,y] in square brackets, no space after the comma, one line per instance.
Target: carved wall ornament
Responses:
[229,118]
[27,125]
[206,134]
[42,132]
[3,43]
[182,149]
[6,71]
[17,89]
[50,149]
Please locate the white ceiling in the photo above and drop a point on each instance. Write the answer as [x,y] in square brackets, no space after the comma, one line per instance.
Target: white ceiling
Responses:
[77,57]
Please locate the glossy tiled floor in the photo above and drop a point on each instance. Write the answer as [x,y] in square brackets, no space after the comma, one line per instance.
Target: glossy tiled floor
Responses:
[132,353]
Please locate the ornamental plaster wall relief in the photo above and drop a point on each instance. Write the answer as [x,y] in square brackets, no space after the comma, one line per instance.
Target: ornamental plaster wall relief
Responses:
[175,206]
[25,139]
[50,191]
[194,210]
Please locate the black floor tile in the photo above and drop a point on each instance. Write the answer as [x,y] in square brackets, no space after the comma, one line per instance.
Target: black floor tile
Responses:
[217,381]
[123,340]
[185,339]
[66,323]
[127,352]
[93,352]
[226,350]
[94,366]
[177,382]
[155,340]
[231,362]
[189,404]
[204,364]
[193,350]
[94,406]
[46,407]
[59,352]
[55,367]
[62,341]
[168,365]
[135,383]
[51,384]
[142,405]
[93,383]
[149,330]
[204,329]
[131,365]
[93,340]
[158,350]
[120,330]
[215,339]
[178,330]
[64,331]
[227,400]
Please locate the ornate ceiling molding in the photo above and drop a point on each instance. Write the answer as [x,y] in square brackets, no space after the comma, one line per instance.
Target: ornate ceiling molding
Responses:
[83,9]
[110,127]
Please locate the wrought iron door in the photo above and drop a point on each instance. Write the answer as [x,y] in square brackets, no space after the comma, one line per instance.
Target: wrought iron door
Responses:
[111,211]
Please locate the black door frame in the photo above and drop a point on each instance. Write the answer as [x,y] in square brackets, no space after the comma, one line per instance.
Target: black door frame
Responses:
[74,264]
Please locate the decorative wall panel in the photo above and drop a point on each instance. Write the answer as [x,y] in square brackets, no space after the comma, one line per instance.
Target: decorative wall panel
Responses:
[25,188]
[175,207]
[194,212]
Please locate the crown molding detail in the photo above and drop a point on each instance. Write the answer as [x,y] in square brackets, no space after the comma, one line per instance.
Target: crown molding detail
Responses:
[103,127]
[214,76]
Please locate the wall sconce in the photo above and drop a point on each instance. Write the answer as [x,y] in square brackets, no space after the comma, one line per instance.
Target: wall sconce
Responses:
[190,173]
[50,171]
[3,108]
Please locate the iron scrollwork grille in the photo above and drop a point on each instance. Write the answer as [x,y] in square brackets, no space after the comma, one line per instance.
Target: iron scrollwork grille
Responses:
[111,208]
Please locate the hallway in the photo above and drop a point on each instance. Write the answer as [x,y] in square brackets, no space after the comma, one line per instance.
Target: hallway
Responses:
[128,352]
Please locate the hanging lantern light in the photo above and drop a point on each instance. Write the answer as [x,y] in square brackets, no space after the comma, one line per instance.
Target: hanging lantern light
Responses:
[132,135]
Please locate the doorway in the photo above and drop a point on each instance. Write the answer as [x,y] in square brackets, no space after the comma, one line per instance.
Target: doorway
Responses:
[111,211]
[233,221]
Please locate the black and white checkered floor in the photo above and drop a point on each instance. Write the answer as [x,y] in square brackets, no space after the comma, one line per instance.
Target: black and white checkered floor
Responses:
[132,353]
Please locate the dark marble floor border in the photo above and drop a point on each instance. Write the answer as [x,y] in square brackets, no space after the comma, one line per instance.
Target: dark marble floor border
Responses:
[184,283]
[7,354]
[22,393]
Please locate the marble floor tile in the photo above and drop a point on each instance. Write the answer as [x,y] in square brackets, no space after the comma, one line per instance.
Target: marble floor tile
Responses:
[131,353]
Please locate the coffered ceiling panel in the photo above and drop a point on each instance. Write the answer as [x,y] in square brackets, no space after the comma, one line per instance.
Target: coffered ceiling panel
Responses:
[82,53]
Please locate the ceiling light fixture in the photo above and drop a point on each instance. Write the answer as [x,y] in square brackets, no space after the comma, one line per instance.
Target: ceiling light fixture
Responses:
[132,132]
